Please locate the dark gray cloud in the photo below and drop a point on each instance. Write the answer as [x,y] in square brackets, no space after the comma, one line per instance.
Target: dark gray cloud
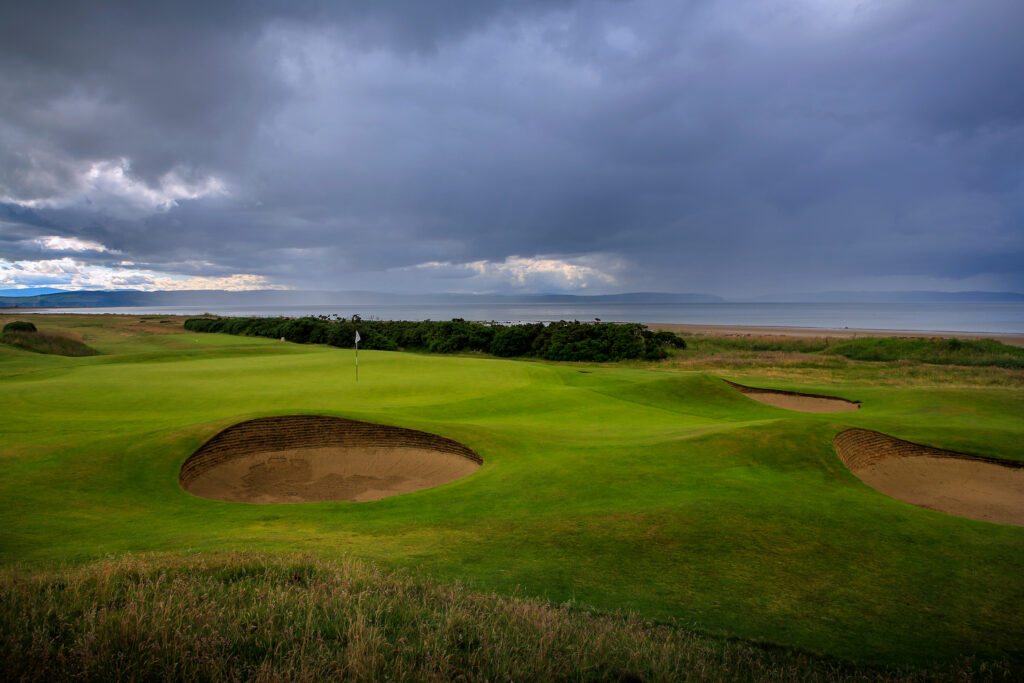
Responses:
[743,147]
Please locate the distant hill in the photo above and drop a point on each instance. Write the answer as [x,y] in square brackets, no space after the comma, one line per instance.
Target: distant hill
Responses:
[104,299]
[909,297]
[29,291]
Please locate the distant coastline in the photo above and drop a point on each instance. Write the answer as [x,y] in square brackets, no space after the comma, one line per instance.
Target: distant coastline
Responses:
[990,319]
[50,298]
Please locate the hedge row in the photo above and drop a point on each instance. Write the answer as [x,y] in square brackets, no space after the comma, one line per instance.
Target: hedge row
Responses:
[572,341]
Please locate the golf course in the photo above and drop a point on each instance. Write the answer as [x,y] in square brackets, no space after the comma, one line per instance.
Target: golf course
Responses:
[662,491]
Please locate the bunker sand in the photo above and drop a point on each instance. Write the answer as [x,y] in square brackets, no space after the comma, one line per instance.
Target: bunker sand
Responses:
[313,458]
[960,484]
[793,400]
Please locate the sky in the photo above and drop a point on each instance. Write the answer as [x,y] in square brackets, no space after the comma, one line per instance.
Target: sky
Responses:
[738,147]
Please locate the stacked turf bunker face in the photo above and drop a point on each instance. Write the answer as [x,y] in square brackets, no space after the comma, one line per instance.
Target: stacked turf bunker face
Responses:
[316,458]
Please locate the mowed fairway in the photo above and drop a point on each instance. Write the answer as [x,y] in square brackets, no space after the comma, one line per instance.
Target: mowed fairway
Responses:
[640,487]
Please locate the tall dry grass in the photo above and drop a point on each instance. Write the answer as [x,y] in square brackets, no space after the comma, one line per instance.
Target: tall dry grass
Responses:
[242,617]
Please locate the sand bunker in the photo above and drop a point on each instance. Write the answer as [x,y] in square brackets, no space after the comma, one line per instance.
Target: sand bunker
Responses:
[314,458]
[958,483]
[793,400]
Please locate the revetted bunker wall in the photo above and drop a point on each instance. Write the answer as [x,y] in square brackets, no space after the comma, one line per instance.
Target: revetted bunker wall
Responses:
[267,434]
[861,448]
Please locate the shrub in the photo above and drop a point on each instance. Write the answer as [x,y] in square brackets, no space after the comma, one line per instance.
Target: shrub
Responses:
[19,326]
[566,341]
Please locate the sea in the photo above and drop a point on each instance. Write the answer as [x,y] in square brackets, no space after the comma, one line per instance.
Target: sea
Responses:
[996,318]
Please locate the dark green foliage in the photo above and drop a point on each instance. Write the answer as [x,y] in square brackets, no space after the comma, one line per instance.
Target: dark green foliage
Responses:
[19,326]
[570,341]
[935,350]
[514,340]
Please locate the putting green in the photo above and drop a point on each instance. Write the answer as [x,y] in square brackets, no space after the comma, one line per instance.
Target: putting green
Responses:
[630,487]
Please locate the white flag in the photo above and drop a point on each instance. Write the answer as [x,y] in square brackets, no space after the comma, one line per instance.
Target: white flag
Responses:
[357,336]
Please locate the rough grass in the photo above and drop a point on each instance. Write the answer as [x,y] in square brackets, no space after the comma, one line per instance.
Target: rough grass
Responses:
[936,351]
[246,617]
[55,343]
[702,344]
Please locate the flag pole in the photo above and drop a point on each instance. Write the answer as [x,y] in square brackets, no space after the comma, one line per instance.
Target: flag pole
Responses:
[357,355]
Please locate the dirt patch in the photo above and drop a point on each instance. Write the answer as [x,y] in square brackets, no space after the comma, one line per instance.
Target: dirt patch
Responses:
[317,458]
[961,484]
[793,400]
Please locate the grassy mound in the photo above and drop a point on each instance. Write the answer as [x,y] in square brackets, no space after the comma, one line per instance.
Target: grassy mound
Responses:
[936,351]
[240,617]
[48,342]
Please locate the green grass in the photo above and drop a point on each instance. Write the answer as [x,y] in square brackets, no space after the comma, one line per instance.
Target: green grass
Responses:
[651,488]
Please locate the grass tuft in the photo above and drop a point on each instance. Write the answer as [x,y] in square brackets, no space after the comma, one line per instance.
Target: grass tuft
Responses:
[240,616]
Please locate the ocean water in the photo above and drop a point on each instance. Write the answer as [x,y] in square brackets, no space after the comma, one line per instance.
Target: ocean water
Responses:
[1004,318]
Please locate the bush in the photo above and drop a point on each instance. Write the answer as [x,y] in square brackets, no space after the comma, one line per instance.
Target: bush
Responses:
[567,341]
[19,326]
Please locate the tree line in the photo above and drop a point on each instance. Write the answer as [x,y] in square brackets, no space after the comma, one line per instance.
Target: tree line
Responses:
[562,341]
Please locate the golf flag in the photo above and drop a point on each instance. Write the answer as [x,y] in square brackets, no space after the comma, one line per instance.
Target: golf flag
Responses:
[357,336]
[357,355]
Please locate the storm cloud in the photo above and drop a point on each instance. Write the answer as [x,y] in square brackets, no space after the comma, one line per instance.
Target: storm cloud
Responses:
[738,148]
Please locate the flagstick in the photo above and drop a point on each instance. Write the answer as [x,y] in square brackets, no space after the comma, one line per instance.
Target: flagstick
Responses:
[357,355]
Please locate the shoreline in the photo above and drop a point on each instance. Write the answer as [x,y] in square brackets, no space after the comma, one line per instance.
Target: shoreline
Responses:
[1009,338]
